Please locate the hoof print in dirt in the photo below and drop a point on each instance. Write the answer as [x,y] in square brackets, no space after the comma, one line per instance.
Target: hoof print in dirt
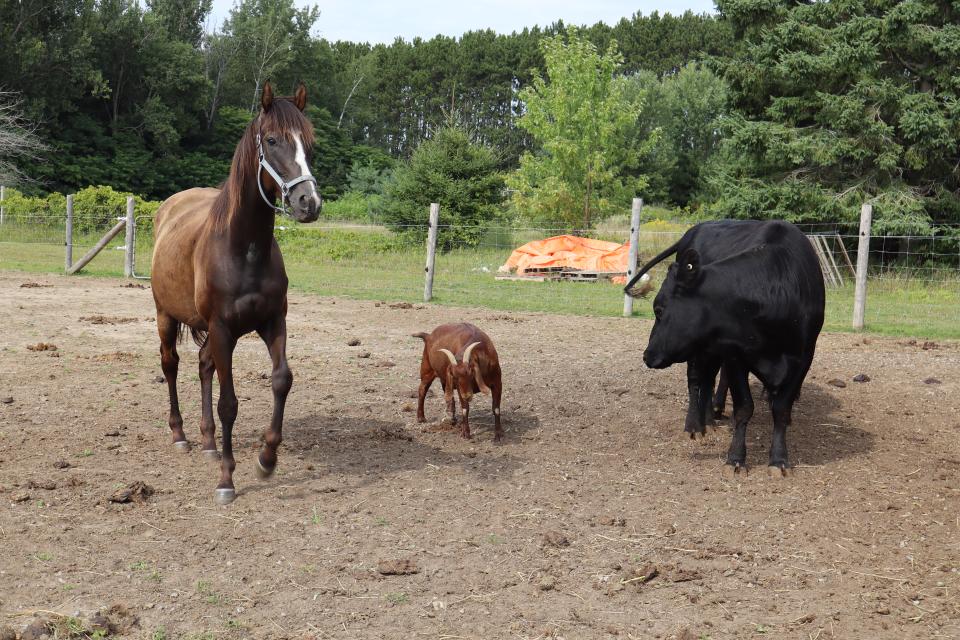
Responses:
[555,539]
[403,567]
[134,492]
[640,577]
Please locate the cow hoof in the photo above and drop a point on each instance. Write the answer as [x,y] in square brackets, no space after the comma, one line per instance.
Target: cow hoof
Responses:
[182,446]
[715,429]
[224,496]
[211,455]
[777,471]
[698,436]
[263,472]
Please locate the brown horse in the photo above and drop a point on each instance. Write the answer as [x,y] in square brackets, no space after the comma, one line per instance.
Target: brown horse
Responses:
[218,270]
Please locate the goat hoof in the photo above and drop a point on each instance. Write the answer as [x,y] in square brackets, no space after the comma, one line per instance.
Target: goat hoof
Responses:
[224,496]
[212,455]
[264,472]
[182,446]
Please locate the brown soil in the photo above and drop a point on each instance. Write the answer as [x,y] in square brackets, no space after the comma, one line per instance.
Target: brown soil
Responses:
[595,518]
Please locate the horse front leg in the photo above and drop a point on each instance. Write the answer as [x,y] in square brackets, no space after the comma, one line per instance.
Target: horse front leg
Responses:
[208,429]
[275,337]
[222,344]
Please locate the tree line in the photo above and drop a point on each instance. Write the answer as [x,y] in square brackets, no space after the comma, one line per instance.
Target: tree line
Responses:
[796,110]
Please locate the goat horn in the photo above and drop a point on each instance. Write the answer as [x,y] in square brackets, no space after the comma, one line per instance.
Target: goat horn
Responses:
[453,359]
[468,351]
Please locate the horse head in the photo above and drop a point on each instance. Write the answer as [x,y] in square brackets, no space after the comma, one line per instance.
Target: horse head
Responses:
[284,148]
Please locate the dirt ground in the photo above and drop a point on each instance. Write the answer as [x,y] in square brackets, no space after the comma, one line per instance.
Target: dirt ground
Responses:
[595,519]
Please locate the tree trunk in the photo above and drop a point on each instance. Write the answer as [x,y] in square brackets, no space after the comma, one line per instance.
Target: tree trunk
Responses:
[586,202]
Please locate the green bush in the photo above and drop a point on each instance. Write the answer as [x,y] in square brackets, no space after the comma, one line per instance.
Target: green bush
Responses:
[353,206]
[337,244]
[94,208]
[455,172]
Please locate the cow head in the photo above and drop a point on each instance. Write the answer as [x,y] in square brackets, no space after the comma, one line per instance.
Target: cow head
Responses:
[682,315]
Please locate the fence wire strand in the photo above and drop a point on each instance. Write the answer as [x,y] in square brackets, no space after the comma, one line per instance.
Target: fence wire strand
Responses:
[913,280]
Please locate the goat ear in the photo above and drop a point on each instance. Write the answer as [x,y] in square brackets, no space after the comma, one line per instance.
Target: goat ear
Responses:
[266,97]
[479,378]
[300,97]
[689,267]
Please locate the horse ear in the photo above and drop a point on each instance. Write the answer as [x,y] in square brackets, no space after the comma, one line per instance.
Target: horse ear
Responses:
[300,97]
[266,98]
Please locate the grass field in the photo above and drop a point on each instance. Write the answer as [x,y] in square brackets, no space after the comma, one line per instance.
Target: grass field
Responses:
[370,263]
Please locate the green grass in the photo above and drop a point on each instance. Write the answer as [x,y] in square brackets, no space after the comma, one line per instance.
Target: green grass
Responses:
[371,263]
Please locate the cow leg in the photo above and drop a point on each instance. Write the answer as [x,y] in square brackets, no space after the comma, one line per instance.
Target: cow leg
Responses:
[781,406]
[742,412]
[168,327]
[720,398]
[700,377]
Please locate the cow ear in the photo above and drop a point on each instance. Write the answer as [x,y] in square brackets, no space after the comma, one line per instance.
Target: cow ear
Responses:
[689,267]
[266,97]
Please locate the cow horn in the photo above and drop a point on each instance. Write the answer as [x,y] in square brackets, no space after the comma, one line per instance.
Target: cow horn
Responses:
[452,358]
[468,351]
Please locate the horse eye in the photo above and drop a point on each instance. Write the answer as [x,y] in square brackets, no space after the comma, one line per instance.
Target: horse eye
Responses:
[271,141]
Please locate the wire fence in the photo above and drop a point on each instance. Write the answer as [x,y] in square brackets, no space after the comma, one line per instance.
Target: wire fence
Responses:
[913,285]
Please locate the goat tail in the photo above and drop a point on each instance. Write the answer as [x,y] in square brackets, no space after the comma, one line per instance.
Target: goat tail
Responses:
[420,334]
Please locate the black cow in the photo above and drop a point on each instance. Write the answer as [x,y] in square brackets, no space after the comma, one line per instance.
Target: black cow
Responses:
[747,295]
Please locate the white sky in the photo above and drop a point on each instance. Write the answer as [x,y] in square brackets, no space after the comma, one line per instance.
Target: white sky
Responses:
[383,20]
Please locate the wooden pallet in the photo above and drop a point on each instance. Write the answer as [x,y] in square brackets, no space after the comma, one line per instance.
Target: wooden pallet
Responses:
[561,273]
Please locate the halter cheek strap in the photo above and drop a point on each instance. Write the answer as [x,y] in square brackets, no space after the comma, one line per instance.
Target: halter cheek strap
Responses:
[285,186]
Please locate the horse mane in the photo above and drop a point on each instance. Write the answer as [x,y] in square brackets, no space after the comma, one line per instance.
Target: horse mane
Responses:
[283,118]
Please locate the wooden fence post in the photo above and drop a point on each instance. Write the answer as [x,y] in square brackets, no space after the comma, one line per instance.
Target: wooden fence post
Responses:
[68,260]
[128,244]
[431,251]
[3,194]
[634,252]
[863,257]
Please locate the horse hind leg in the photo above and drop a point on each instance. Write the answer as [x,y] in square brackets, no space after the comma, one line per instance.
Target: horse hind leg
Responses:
[168,328]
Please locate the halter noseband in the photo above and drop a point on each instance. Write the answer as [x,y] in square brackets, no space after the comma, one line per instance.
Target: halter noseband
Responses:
[285,186]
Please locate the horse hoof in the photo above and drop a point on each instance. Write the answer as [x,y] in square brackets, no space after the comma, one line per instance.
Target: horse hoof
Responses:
[224,496]
[182,446]
[262,472]
[211,454]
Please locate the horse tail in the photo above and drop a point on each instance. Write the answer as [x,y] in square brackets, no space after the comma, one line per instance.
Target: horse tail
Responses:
[199,337]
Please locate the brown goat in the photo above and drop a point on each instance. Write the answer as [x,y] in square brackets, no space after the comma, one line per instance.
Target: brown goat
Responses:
[464,358]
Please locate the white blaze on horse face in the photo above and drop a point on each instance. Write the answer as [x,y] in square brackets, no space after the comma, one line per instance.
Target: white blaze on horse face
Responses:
[301,159]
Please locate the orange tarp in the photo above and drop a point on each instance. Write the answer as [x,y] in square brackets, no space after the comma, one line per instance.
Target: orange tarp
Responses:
[584,254]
